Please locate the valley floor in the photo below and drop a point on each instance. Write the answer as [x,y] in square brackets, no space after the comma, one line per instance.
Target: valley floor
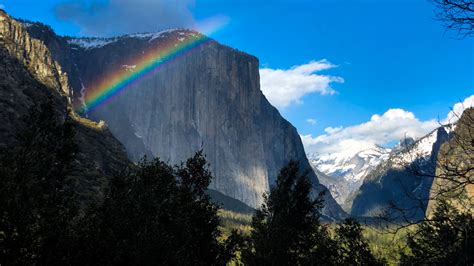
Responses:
[386,242]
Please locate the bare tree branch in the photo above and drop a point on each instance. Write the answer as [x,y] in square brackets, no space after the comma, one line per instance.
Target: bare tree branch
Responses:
[457,16]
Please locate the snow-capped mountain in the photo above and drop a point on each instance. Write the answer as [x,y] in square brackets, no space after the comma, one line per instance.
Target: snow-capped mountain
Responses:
[344,171]
[94,43]
[352,166]
[420,150]
[398,179]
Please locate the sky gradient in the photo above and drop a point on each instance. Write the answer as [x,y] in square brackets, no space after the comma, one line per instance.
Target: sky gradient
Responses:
[326,65]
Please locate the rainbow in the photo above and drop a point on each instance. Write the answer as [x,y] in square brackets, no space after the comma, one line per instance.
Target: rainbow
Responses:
[165,53]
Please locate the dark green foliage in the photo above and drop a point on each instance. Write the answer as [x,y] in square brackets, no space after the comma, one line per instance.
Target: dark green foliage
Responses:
[447,238]
[36,200]
[286,230]
[156,214]
[151,213]
[353,249]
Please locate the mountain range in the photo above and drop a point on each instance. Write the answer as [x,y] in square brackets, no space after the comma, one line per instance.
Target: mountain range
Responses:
[344,172]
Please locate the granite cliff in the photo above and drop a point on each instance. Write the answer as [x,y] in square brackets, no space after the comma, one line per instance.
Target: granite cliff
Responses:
[209,99]
[454,176]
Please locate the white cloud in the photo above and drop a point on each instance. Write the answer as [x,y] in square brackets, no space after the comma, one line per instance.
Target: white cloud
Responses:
[284,87]
[458,108]
[393,125]
[311,121]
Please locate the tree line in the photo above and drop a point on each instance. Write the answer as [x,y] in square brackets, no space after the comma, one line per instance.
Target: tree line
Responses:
[153,213]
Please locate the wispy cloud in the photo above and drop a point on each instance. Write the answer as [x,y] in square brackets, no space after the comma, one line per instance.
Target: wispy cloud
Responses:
[284,87]
[393,125]
[311,121]
[115,17]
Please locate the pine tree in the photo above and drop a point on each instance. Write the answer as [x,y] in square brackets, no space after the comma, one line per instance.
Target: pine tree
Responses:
[155,214]
[353,249]
[447,238]
[287,230]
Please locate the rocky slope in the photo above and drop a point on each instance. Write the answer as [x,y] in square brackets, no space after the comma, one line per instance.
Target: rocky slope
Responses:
[399,187]
[209,99]
[454,179]
[343,173]
[29,76]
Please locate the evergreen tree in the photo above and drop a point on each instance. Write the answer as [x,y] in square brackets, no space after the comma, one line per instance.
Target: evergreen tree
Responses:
[36,200]
[447,238]
[286,230]
[353,249]
[155,214]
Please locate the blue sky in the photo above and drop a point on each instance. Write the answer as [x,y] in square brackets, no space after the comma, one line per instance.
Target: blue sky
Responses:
[390,54]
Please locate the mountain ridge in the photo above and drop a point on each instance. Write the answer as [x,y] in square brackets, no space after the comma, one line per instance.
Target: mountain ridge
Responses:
[217,92]
[397,184]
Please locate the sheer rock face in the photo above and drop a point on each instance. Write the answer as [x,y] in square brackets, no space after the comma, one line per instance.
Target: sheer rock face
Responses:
[29,76]
[33,54]
[210,99]
[454,168]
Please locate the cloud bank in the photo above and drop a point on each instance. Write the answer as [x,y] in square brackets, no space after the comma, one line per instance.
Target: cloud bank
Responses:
[284,87]
[116,17]
[393,125]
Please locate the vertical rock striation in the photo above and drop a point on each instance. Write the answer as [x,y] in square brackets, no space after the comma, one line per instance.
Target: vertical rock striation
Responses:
[209,99]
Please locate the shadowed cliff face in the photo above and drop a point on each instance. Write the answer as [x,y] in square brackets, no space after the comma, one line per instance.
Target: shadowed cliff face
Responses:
[454,167]
[29,76]
[208,99]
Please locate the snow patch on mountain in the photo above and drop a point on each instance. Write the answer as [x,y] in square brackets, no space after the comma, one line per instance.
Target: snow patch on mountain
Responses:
[90,43]
[154,35]
[94,43]
[27,24]
[421,150]
[349,164]
[346,170]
